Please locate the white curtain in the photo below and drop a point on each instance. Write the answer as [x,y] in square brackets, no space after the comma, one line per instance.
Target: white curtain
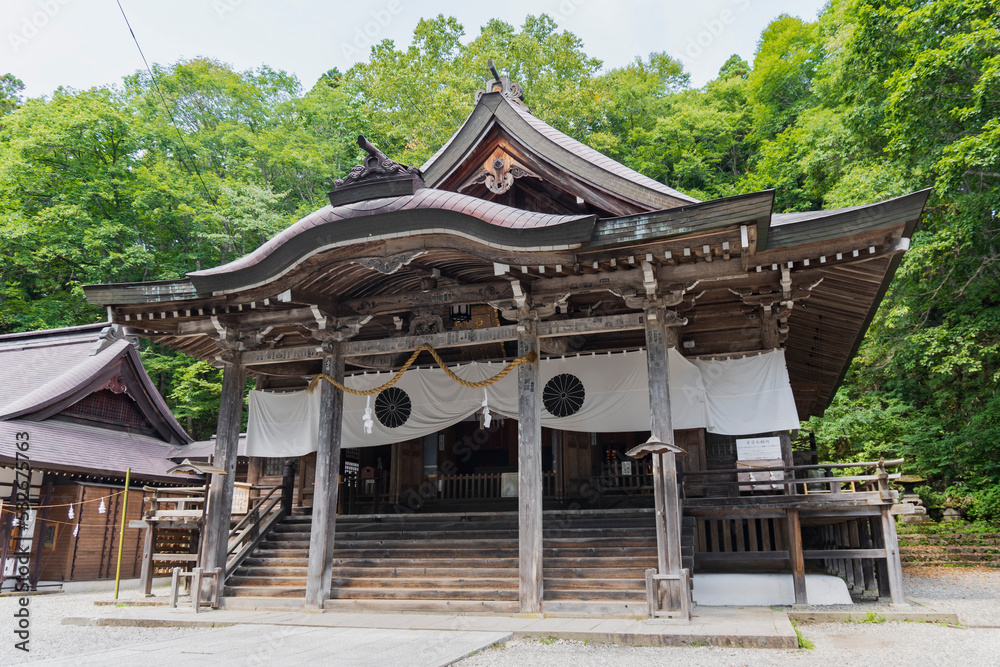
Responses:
[735,396]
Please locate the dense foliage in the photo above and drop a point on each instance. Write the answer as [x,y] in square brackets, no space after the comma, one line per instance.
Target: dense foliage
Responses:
[198,164]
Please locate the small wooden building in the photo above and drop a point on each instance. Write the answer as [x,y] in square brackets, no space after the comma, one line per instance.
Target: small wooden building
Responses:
[77,409]
[516,244]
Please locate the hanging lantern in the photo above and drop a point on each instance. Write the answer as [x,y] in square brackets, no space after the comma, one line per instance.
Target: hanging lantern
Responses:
[71,514]
[76,529]
[102,508]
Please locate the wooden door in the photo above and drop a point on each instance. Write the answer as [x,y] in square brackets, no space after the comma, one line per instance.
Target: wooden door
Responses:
[576,463]
[306,480]
[408,457]
[692,441]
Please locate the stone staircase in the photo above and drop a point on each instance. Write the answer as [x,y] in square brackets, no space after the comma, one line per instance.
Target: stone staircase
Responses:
[594,562]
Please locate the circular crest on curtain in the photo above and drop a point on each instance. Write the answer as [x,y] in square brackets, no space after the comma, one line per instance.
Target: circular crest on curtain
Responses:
[563,395]
[392,407]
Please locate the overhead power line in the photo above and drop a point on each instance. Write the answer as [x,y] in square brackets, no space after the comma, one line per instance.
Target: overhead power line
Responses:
[166,107]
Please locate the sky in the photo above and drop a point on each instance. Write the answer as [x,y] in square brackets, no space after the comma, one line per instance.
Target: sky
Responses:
[85,43]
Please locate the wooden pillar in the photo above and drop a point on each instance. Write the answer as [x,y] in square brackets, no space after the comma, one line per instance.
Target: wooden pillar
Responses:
[148,546]
[855,536]
[529,472]
[795,556]
[220,493]
[668,509]
[319,576]
[867,565]
[892,563]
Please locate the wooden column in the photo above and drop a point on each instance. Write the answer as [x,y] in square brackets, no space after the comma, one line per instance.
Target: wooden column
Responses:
[319,576]
[529,472]
[215,533]
[892,563]
[659,337]
[148,547]
[795,556]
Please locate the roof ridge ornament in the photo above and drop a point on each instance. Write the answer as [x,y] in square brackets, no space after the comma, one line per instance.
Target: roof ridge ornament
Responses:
[377,177]
[503,85]
[375,166]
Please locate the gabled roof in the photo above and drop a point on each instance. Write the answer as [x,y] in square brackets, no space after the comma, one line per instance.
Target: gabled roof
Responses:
[43,373]
[556,148]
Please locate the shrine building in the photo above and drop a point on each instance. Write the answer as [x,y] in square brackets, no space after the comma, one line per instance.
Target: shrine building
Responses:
[604,380]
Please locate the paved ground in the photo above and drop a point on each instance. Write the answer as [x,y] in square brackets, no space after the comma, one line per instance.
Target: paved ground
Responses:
[271,644]
[973,594]
[727,626]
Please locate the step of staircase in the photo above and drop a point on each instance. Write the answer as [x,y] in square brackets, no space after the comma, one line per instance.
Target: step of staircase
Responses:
[591,560]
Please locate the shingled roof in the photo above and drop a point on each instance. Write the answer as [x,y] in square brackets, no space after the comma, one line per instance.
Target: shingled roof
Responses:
[44,374]
[559,149]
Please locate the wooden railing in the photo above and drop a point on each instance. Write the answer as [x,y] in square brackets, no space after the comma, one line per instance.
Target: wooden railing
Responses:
[793,479]
[254,526]
[266,512]
[477,486]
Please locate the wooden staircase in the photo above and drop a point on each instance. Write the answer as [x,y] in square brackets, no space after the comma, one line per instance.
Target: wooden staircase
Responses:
[594,563]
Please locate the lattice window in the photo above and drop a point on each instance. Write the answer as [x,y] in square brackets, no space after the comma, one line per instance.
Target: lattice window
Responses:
[274,466]
[720,447]
[109,407]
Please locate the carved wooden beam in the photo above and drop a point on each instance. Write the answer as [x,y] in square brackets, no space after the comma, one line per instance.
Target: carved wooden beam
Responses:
[443,296]
[454,338]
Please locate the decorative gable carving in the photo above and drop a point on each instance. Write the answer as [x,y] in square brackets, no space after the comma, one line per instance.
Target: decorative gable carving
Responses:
[498,173]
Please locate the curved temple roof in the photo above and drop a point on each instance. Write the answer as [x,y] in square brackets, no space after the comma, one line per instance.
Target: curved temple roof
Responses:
[743,278]
[425,211]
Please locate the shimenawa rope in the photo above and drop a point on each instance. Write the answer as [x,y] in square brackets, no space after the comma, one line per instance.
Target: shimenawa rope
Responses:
[529,358]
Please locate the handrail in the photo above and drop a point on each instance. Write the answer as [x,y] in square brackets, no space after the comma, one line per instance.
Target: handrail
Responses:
[259,521]
[879,475]
[258,513]
[266,520]
[823,466]
[248,515]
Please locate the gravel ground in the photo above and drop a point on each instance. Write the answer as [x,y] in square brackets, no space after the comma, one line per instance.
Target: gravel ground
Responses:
[51,639]
[974,594]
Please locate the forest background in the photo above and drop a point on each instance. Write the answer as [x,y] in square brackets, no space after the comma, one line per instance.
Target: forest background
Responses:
[874,99]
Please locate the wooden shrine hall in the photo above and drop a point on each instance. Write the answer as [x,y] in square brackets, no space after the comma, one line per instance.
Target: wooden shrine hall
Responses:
[489,476]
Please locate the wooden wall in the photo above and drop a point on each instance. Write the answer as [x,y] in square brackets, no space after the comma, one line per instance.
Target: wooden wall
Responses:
[92,553]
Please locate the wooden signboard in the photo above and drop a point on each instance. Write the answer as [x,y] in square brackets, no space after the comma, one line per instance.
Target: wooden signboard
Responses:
[758,449]
[241,498]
